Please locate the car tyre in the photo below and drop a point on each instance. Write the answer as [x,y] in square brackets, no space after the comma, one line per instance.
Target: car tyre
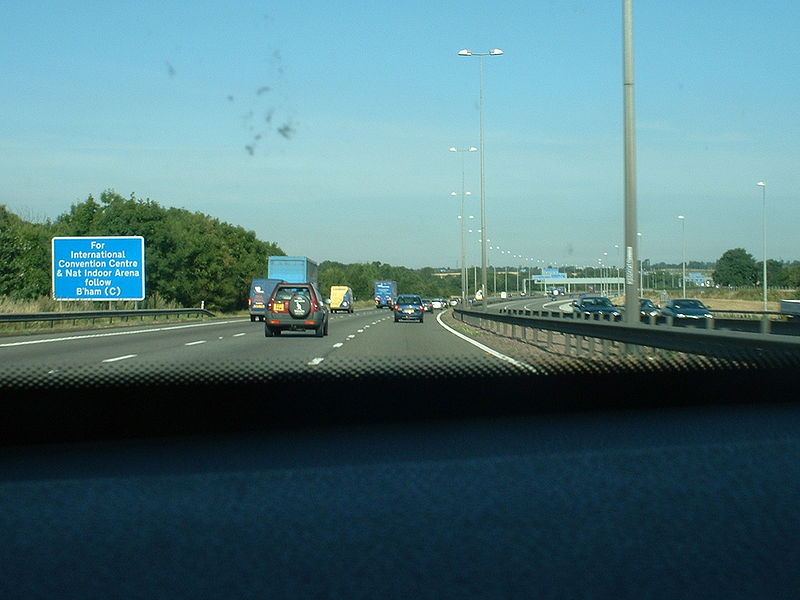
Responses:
[320,331]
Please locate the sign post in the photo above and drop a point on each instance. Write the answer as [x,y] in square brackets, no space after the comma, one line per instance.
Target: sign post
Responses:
[98,268]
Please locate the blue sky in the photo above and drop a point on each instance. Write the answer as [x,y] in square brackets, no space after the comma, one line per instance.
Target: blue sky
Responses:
[325,127]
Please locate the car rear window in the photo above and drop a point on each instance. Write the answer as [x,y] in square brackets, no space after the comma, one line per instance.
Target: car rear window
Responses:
[286,293]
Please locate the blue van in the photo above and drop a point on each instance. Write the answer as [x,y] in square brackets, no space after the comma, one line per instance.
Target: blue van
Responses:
[260,291]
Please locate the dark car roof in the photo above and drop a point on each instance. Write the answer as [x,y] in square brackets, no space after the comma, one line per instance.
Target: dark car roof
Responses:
[595,300]
[687,303]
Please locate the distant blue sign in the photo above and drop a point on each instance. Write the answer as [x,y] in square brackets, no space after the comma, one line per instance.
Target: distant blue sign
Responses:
[549,271]
[98,268]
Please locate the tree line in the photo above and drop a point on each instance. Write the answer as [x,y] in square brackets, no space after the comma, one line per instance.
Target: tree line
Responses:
[191,257]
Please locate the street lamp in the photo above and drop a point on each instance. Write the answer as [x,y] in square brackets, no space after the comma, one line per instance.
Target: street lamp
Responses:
[763,186]
[639,244]
[463,241]
[494,270]
[480,55]
[683,243]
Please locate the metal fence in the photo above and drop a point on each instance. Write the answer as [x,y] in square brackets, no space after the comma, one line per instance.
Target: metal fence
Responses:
[106,315]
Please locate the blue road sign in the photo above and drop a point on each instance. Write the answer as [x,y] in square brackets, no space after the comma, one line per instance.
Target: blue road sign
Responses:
[98,268]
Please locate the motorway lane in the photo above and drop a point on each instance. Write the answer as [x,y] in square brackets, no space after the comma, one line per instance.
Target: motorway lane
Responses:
[534,303]
[367,334]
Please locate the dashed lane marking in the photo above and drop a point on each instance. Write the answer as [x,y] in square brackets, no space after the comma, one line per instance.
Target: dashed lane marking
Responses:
[116,358]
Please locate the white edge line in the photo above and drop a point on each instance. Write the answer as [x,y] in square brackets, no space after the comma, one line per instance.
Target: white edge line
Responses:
[485,348]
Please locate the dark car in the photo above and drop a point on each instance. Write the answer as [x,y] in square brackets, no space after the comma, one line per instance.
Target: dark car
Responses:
[408,307]
[427,304]
[588,306]
[686,308]
[296,307]
[647,309]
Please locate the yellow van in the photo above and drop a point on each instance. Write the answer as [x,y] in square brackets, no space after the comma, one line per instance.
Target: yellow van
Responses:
[341,299]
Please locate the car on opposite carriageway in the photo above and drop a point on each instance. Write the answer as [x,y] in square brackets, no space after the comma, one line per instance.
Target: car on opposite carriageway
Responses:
[588,305]
[686,308]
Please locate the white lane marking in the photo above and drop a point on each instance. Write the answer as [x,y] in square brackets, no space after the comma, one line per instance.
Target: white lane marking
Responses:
[110,334]
[315,361]
[239,334]
[360,331]
[195,343]
[494,353]
[338,345]
[116,358]
[351,336]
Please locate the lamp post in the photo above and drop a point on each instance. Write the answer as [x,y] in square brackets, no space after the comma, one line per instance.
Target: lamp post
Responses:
[683,244]
[494,270]
[463,241]
[463,245]
[763,187]
[480,55]
[641,266]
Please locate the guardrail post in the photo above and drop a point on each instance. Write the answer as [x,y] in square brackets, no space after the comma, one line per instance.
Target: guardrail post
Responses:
[765,324]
